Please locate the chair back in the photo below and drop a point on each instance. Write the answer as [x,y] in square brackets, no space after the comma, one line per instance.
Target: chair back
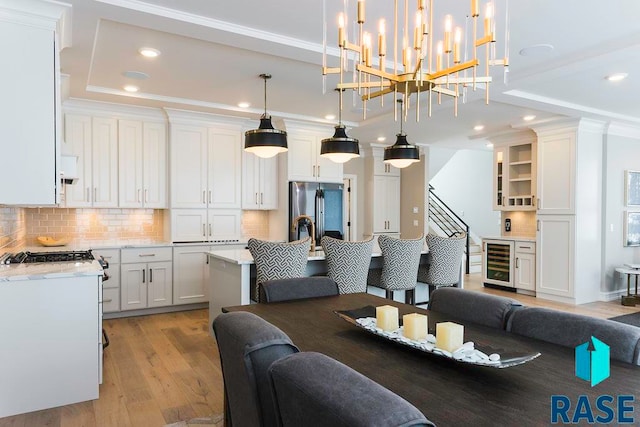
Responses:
[476,307]
[248,345]
[299,288]
[400,261]
[276,260]
[348,263]
[445,260]
[314,390]
[571,330]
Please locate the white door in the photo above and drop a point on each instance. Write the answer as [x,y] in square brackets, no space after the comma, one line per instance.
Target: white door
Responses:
[392,193]
[133,286]
[188,166]
[191,274]
[555,243]
[556,173]
[105,162]
[225,169]
[302,157]
[130,193]
[224,224]
[327,170]
[77,142]
[525,271]
[250,181]
[379,204]
[189,225]
[159,283]
[268,181]
[154,165]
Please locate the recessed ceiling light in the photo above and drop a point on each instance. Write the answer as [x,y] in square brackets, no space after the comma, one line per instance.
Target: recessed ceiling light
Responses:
[138,75]
[536,50]
[149,52]
[616,77]
[131,88]
[478,127]
[528,118]
[244,104]
[330,116]
[381,139]
[489,145]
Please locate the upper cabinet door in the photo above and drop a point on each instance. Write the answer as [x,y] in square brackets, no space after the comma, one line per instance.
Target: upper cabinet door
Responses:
[105,163]
[302,157]
[154,165]
[225,168]
[250,181]
[268,180]
[188,166]
[130,154]
[77,142]
[327,170]
[28,111]
[556,173]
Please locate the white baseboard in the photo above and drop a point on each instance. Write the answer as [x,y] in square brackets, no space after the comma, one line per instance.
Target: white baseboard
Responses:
[612,295]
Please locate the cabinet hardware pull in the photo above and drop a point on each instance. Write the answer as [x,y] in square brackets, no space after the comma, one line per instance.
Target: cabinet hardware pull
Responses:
[525,247]
[146,255]
[539,205]
[318,171]
[314,170]
[502,200]
[146,195]
[138,198]
[204,197]
[533,199]
[150,275]
[95,194]
[517,263]
[108,300]
[209,196]
[204,230]
[88,199]
[207,258]
[261,198]
[209,229]
[538,224]
[256,198]
[143,271]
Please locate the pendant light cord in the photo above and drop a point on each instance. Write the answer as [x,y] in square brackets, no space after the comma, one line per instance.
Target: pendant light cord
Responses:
[400,101]
[265,95]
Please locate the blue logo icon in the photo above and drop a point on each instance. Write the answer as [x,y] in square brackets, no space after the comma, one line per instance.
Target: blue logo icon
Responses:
[592,361]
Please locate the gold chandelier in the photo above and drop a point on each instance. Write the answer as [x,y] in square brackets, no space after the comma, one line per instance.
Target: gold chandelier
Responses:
[448,70]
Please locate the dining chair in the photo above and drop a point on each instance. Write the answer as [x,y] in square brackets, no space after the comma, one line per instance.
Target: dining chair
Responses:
[314,390]
[348,263]
[444,261]
[476,307]
[248,345]
[571,330]
[298,288]
[278,260]
[400,261]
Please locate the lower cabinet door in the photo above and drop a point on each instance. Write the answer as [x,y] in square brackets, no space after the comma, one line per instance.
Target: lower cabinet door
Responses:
[160,283]
[526,271]
[133,284]
[191,272]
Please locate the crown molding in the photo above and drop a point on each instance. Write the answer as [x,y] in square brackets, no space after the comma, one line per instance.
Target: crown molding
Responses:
[624,130]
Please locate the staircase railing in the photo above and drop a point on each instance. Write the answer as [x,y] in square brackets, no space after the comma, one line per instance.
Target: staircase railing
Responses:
[448,221]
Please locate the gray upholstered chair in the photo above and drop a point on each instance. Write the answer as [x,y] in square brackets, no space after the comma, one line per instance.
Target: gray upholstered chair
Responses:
[314,390]
[248,345]
[476,307]
[276,260]
[348,263]
[444,261]
[570,330]
[299,288]
[400,261]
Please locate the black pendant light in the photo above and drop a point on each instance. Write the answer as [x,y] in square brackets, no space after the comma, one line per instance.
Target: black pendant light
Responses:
[401,154]
[340,148]
[265,141]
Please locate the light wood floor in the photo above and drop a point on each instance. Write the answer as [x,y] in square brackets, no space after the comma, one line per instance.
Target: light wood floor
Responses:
[164,368]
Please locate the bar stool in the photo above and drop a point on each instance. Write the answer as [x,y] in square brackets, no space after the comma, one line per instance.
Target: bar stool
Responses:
[348,263]
[445,260]
[400,261]
[276,260]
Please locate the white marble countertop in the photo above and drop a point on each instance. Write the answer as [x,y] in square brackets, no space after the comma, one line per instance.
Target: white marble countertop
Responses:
[83,245]
[49,270]
[511,238]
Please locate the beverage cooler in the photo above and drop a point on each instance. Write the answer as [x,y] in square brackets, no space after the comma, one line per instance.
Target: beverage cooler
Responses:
[497,262]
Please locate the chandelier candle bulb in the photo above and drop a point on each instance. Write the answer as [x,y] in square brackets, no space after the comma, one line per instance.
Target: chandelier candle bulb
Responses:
[457,38]
[449,336]
[488,18]
[417,36]
[439,56]
[448,26]
[475,9]
[387,318]
[382,39]
[415,326]
[360,11]
[422,4]
[341,39]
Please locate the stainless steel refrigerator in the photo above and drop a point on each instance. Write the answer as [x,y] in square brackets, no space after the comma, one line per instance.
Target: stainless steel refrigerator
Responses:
[322,203]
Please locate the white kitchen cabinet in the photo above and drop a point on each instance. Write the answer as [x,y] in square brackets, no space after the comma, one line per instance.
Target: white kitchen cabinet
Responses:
[30,103]
[555,242]
[304,160]
[525,271]
[382,168]
[191,274]
[386,204]
[205,166]
[259,182]
[142,148]
[514,170]
[146,278]
[557,172]
[111,287]
[202,225]
[94,140]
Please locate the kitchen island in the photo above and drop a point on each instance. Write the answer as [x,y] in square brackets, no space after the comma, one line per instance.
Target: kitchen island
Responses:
[232,273]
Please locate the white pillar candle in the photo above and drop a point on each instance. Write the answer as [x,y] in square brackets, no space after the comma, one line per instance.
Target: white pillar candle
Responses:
[415,326]
[387,318]
[449,336]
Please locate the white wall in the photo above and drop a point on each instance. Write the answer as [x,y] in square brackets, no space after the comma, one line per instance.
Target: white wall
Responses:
[438,157]
[621,153]
[465,184]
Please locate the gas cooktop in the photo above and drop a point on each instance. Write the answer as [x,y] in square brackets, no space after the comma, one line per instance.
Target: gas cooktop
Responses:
[32,257]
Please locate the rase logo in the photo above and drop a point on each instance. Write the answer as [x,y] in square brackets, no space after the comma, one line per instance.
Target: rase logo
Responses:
[592,365]
[592,361]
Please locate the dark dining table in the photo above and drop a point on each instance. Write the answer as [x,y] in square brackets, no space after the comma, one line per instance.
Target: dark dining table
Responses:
[448,392]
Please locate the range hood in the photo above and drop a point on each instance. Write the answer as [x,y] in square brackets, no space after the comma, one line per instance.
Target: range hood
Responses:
[68,169]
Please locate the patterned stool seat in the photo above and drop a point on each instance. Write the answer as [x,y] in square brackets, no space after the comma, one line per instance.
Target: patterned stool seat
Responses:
[348,263]
[445,260]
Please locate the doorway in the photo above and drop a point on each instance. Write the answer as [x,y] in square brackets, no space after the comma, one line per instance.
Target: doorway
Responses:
[350,203]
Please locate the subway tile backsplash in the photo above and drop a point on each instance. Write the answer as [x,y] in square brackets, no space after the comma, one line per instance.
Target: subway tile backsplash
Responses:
[12,226]
[523,223]
[255,224]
